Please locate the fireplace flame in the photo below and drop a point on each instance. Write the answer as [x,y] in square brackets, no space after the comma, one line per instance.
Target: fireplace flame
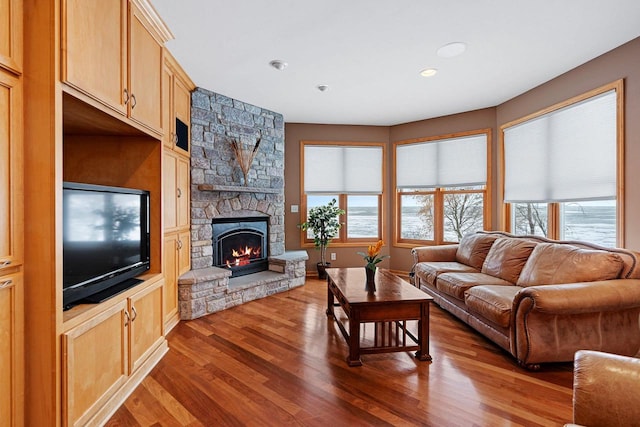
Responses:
[243,256]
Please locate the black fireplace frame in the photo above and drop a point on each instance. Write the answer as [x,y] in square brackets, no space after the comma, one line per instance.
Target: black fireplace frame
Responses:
[223,228]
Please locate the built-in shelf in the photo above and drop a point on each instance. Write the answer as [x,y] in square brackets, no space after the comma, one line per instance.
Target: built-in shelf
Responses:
[238,189]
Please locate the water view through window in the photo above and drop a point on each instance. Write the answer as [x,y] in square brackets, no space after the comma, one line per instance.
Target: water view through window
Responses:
[589,221]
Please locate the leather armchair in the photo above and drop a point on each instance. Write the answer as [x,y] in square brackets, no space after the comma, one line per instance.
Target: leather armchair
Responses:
[606,390]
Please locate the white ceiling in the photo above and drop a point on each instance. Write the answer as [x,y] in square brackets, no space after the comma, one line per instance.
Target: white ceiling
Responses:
[370,52]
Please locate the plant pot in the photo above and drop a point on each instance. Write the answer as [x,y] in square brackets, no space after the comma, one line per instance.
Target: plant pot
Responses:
[322,274]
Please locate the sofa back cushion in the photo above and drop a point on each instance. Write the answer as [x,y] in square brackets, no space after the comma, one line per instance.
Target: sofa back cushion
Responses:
[552,263]
[473,249]
[507,257]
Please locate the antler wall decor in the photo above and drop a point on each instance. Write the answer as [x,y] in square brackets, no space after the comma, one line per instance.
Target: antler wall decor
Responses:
[245,156]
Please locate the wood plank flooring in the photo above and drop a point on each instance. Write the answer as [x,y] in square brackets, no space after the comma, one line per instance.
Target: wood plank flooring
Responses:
[279,361]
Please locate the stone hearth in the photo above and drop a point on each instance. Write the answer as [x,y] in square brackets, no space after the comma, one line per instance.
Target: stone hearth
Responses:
[208,290]
[219,190]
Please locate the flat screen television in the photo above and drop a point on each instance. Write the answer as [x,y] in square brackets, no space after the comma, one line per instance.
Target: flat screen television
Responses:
[105,242]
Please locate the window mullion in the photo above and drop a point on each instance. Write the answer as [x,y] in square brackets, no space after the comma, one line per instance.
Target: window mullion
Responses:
[438,216]
[342,202]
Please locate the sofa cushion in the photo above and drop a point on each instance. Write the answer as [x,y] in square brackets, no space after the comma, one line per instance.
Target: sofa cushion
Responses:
[473,249]
[506,258]
[553,263]
[455,284]
[492,302]
[429,271]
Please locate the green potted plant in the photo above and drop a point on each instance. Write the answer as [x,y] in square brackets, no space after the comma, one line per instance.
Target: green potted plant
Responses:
[324,223]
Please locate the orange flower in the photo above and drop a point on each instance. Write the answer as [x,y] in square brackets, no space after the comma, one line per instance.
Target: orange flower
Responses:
[373,255]
[374,250]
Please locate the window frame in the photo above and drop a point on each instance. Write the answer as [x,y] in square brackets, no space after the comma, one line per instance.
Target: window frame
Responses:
[342,240]
[440,192]
[553,218]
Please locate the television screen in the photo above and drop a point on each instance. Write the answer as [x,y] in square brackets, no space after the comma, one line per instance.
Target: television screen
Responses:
[105,239]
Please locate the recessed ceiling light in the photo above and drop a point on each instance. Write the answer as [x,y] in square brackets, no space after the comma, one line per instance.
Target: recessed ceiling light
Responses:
[322,88]
[278,64]
[452,49]
[428,72]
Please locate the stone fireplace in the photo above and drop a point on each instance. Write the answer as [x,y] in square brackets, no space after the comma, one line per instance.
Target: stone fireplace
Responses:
[221,200]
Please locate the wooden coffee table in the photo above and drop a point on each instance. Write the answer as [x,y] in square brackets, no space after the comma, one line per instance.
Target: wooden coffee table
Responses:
[390,307]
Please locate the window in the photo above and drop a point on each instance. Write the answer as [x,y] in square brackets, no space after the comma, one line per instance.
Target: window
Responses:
[352,173]
[441,187]
[562,168]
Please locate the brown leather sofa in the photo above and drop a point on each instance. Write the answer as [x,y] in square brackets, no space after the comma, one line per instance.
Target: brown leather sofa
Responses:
[539,299]
[606,390]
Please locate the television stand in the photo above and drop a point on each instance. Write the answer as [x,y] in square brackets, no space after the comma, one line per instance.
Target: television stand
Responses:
[111,291]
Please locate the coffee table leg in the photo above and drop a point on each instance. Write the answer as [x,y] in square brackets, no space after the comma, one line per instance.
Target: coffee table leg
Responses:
[329,300]
[423,334]
[354,340]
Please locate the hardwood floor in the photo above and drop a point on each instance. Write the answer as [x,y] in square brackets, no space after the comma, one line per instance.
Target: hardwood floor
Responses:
[279,361]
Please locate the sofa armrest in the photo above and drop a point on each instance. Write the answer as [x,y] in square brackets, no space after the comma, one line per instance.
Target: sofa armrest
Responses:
[585,297]
[440,253]
[606,389]
[549,323]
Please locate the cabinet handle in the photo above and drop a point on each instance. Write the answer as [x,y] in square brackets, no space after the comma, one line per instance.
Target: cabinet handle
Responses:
[6,284]
[179,191]
[126,97]
[179,244]
[126,314]
[133,101]
[135,313]
[5,263]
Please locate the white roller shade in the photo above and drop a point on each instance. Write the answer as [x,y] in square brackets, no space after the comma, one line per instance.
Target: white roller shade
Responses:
[342,169]
[448,162]
[568,154]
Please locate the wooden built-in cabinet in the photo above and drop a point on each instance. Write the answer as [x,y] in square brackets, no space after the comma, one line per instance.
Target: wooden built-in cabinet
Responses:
[101,353]
[11,350]
[176,122]
[11,35]
[175,176]
[93,113]
[10,171]
[112,54]
[176,182]
[11,219]
[176,261]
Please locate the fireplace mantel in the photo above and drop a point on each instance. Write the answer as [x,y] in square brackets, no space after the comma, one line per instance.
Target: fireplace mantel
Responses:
[238,189]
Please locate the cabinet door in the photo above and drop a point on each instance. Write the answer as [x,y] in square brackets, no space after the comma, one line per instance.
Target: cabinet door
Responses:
[145,73]
[11,217]
[94,363]
[168,121]
[94,49]
[11,350]
[170,271]
[169,190]
[182,191]
[11,34]
[184,252]
[146,330]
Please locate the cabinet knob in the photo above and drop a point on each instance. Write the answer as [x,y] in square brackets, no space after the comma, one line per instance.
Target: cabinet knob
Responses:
[179,191]
[133,101]
[6,284]
[179,244]
[126,97]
